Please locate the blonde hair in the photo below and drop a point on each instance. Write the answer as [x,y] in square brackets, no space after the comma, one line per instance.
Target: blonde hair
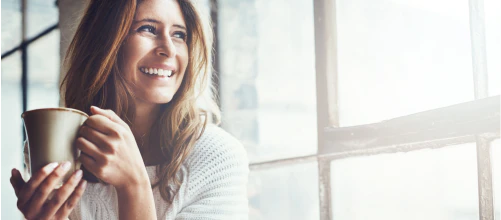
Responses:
[93,78]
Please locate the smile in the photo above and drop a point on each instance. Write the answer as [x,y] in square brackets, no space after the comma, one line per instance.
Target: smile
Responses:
[155,71]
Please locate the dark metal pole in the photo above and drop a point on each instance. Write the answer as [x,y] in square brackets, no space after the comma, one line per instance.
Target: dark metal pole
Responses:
[29,41]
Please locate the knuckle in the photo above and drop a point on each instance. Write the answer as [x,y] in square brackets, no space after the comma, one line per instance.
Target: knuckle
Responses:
[20,205]
[58,174]
[39,194]
[70,204]
[110,144]
[101,173]
[56,200]
[29,188]
[29,215]
[116,132]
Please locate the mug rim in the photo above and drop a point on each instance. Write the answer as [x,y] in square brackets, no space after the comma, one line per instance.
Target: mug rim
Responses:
[57,109]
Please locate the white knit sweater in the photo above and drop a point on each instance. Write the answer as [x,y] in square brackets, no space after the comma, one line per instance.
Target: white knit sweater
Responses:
[213,185]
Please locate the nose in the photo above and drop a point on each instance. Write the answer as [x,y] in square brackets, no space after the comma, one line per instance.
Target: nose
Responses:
[166,47]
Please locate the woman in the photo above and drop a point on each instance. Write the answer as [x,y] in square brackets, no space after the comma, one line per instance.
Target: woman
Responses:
[145,64]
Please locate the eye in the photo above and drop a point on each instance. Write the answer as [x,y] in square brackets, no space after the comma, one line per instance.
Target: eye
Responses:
[147,28]
[180,34]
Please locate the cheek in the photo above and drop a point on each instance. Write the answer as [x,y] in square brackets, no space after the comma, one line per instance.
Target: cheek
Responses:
[133,50]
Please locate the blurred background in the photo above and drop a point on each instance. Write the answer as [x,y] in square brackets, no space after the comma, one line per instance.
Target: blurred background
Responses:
[348,109]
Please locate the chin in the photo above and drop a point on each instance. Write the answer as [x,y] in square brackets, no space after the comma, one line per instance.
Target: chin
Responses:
[163,99]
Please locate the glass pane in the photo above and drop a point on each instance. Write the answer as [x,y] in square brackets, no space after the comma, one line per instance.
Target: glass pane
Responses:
[11,24]
[268,76]
[12,130]
[401,57]
[41,15]
[284,193]
[496,177]
[432,184]
[43,72]
[493,44]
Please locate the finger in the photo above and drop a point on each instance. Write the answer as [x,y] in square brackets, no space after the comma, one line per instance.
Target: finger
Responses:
[65,210]
[46,187]
[61,195]
[29,188]
[88,148]
[109,114]
[17,181]
[89,163]
[102,124]
[95,137]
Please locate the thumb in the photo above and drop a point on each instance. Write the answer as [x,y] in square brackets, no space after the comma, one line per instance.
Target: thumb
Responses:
[107,113]
[17,181]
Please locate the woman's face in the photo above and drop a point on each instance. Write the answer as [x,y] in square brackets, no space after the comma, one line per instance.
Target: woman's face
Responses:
[155,54]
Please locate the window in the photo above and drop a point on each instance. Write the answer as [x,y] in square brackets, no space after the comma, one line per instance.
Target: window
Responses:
[400,98]
[30,79]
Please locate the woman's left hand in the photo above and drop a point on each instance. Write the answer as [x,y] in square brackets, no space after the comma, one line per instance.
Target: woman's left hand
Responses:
[109,150]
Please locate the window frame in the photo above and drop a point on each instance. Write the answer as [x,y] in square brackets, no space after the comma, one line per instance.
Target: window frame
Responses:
[470,122]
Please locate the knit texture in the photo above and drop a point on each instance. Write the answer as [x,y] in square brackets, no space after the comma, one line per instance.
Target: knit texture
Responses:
[213,185]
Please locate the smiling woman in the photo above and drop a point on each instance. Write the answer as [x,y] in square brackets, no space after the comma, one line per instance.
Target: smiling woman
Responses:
[149,151]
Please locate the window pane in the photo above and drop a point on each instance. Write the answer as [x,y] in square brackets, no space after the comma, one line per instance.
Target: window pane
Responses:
[284,193]
[41,15]
[43,72]
[268,76]
[11,24]
[496,176]
[432,184]
[12,130]
[401,57]
[493,44]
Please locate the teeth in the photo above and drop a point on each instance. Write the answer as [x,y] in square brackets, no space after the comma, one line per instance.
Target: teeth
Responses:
[156,71]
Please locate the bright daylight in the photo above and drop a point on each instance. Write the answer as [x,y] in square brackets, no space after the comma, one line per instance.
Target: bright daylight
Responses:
[251,109]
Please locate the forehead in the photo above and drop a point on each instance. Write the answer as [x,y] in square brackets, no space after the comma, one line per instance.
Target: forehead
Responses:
[164,11]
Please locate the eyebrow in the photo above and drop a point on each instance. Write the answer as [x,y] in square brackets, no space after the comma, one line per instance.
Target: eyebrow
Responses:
[158,22]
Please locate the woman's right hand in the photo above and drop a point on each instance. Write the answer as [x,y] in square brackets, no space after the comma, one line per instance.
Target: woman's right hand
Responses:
[32,196]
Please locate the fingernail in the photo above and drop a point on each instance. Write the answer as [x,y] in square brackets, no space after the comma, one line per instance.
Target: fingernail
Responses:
[66,165]
[78,174]
[84,183]
[13,171]
[51,166]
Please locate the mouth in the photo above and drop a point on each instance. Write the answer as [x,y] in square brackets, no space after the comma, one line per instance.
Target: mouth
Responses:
[157,72]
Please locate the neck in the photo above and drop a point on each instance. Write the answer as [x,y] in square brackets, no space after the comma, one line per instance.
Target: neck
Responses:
[146,115]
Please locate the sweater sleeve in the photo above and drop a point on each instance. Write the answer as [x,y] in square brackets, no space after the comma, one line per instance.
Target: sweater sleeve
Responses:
[217,180]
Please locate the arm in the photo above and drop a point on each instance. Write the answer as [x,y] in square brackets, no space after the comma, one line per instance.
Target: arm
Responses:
[136,202]
[110,152]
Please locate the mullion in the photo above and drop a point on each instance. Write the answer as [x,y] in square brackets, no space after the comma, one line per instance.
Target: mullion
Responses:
[324,13]
[478,48]
[484,166]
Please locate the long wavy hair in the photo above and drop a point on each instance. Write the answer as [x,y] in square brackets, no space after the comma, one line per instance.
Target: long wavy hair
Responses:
[93,77]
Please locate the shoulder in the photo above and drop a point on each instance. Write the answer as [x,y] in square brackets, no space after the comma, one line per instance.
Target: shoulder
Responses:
[217,146]
[217,159]
[216,183]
